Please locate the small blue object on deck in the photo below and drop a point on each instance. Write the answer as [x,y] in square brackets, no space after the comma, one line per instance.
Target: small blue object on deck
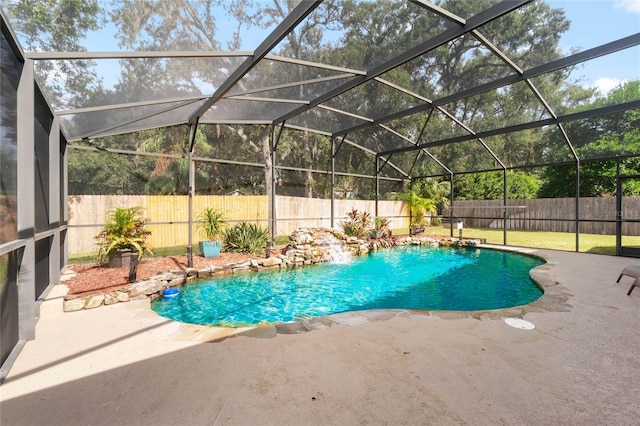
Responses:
[170,293]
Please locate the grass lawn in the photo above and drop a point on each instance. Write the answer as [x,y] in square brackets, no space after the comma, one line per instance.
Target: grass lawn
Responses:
[589,243]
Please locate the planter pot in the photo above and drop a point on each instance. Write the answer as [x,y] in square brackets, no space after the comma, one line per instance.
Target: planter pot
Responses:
[415,230]
[121,258]
[210,248]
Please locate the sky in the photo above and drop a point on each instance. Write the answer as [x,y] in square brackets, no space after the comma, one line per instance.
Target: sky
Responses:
[594,23]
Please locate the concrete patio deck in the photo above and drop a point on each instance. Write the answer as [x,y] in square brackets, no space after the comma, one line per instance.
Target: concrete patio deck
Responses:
[122,364]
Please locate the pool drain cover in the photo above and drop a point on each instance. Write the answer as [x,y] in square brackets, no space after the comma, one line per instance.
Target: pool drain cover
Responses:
[520,323]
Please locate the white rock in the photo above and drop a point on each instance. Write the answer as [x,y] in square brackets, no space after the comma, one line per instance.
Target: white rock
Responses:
[94,301]
[122,296]
[148,287]
[110,299]
[72,305]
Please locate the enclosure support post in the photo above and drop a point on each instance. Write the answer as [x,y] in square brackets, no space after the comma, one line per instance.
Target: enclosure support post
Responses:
[577,183]
[377,184]
[618,210]
[504,208]
[272,194]
[193,128]
[333,181]
[451,204]
[577,205]
[334,151]
[25,135]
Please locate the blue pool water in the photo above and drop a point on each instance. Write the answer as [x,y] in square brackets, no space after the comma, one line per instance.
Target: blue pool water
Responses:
[421,278]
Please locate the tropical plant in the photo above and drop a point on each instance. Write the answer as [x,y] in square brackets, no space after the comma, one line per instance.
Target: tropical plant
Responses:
[245,238]
[418,206]
[211,223]
[357,225]
[381,228]
[125,228]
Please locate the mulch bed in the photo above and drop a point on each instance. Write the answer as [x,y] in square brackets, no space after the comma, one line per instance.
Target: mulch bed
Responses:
[94,278]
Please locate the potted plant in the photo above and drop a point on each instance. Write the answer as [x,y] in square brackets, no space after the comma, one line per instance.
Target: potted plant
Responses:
[210,224]
[123,236]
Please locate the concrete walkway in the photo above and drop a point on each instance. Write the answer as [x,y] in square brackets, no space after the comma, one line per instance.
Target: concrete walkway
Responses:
[122,364]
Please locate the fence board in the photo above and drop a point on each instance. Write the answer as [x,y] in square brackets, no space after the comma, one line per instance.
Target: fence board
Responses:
[550,214]
[169,214]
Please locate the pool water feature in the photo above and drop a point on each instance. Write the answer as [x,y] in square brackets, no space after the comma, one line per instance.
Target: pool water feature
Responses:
[421,278]
[335,248]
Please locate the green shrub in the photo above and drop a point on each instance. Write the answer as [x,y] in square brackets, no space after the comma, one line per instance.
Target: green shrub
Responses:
[125,229]
[245,238]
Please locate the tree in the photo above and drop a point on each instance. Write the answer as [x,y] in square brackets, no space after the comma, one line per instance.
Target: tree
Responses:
[437,190]
[490,186]
[54,26]
[608,136]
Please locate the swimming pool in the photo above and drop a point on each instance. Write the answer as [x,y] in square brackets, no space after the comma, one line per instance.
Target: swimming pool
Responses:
[422,278]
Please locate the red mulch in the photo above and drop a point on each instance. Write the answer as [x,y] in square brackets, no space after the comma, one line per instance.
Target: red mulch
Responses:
[92,278]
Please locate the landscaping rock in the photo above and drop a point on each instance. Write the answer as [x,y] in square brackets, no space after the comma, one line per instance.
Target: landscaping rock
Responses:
[166,276]
[122,296]
[203,273]
[72,305]
[272,261]
[94,301]
[110,299]
[146,287]
[177,281]
[240,265]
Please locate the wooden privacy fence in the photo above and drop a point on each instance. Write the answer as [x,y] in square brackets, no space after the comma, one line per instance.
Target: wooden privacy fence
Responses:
[296,212]
[169,214]
[597,214]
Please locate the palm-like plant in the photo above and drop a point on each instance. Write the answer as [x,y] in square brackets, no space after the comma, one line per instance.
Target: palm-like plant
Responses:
[125,229]
[245,238]
[211,223]
[418,205]
[438,191]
